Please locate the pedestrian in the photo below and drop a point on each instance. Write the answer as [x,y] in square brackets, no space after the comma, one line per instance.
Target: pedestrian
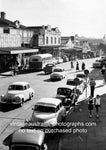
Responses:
[92,86]
[74,98]
[97,105]
[77,66]
[105,76]
[72,66]
[103,69]
[83,66]
[90,105]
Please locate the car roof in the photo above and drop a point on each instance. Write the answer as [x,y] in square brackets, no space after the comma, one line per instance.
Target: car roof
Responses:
[28,136]
[20,83]
[67,87]
[48,101]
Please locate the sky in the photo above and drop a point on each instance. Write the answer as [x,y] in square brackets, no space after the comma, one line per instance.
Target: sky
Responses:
[83,17]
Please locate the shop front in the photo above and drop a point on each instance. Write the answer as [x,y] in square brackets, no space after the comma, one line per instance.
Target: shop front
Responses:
[10,57]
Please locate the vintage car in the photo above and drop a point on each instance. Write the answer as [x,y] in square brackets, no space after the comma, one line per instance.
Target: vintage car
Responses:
[47,112]
[17,93]
[97,64]
[59,60]
[83,77]
[64,94]
[28,139]
[57,74]
[76,83]
[48,68]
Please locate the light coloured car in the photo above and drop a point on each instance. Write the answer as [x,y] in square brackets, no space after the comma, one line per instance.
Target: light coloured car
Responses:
[17,93]
[58,74]
[48,112]
[59,60]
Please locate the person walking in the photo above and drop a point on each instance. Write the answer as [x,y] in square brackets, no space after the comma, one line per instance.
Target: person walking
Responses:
[83,66]
[97,105]
[103,69]
[74,98]
[77,66]
[104,76]
[90,105]
[92,86]
[72,66]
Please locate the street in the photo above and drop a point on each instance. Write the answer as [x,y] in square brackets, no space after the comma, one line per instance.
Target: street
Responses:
[43,88]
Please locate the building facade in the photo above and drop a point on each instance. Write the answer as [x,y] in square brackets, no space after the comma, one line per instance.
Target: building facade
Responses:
[46,38]
[15,42]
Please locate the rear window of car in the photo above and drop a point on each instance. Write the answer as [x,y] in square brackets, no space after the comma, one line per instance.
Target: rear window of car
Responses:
[15,87]
[24,147]
[47,109]
[57,70]
[64,91]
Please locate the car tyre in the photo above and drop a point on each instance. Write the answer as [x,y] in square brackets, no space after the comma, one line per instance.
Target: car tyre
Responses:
[22,102]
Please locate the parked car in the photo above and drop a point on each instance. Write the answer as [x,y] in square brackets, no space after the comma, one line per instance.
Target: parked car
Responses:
[77,83]
[28,139]
[49,68]
[17,93]
[48,112]
[97,64]
[83,77]
[64,94]
[58,74]
[59,60]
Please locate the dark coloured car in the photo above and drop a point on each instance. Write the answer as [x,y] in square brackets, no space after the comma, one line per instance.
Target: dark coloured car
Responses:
[28,139]
[49,68]
[64,94]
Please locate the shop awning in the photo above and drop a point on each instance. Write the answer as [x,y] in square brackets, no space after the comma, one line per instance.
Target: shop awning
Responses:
[17,50]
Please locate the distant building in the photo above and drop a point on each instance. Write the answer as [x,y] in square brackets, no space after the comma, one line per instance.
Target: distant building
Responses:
[46,38]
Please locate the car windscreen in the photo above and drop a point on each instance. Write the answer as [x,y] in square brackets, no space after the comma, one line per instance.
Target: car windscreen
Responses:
[15,87]
[64,91]
[57,70]
[24,147]
[47,109]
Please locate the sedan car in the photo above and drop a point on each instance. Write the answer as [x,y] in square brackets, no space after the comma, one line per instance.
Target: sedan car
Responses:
[59,60]
[48,112]
[97,64]
[64,94]
[83,77]
[27,139]
[58,74]
[76,83]
[49,68]
[17,93]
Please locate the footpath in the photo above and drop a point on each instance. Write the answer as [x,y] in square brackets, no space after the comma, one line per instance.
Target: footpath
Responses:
[86,133]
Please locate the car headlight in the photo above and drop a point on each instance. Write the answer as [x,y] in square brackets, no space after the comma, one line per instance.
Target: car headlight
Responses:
[17,98]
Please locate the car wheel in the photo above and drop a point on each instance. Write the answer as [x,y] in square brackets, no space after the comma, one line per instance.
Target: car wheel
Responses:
[30,96]
[22,102]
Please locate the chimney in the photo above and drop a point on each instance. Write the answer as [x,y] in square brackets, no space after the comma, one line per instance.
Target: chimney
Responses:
[3,15]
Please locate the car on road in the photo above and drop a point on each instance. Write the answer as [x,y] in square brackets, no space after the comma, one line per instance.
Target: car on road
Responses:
[77,83]
[28,139]
[97,64]
[64,94]
[17,93]
[57,74]
[48,68]
[59,60]
[83,77]
[48,112]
